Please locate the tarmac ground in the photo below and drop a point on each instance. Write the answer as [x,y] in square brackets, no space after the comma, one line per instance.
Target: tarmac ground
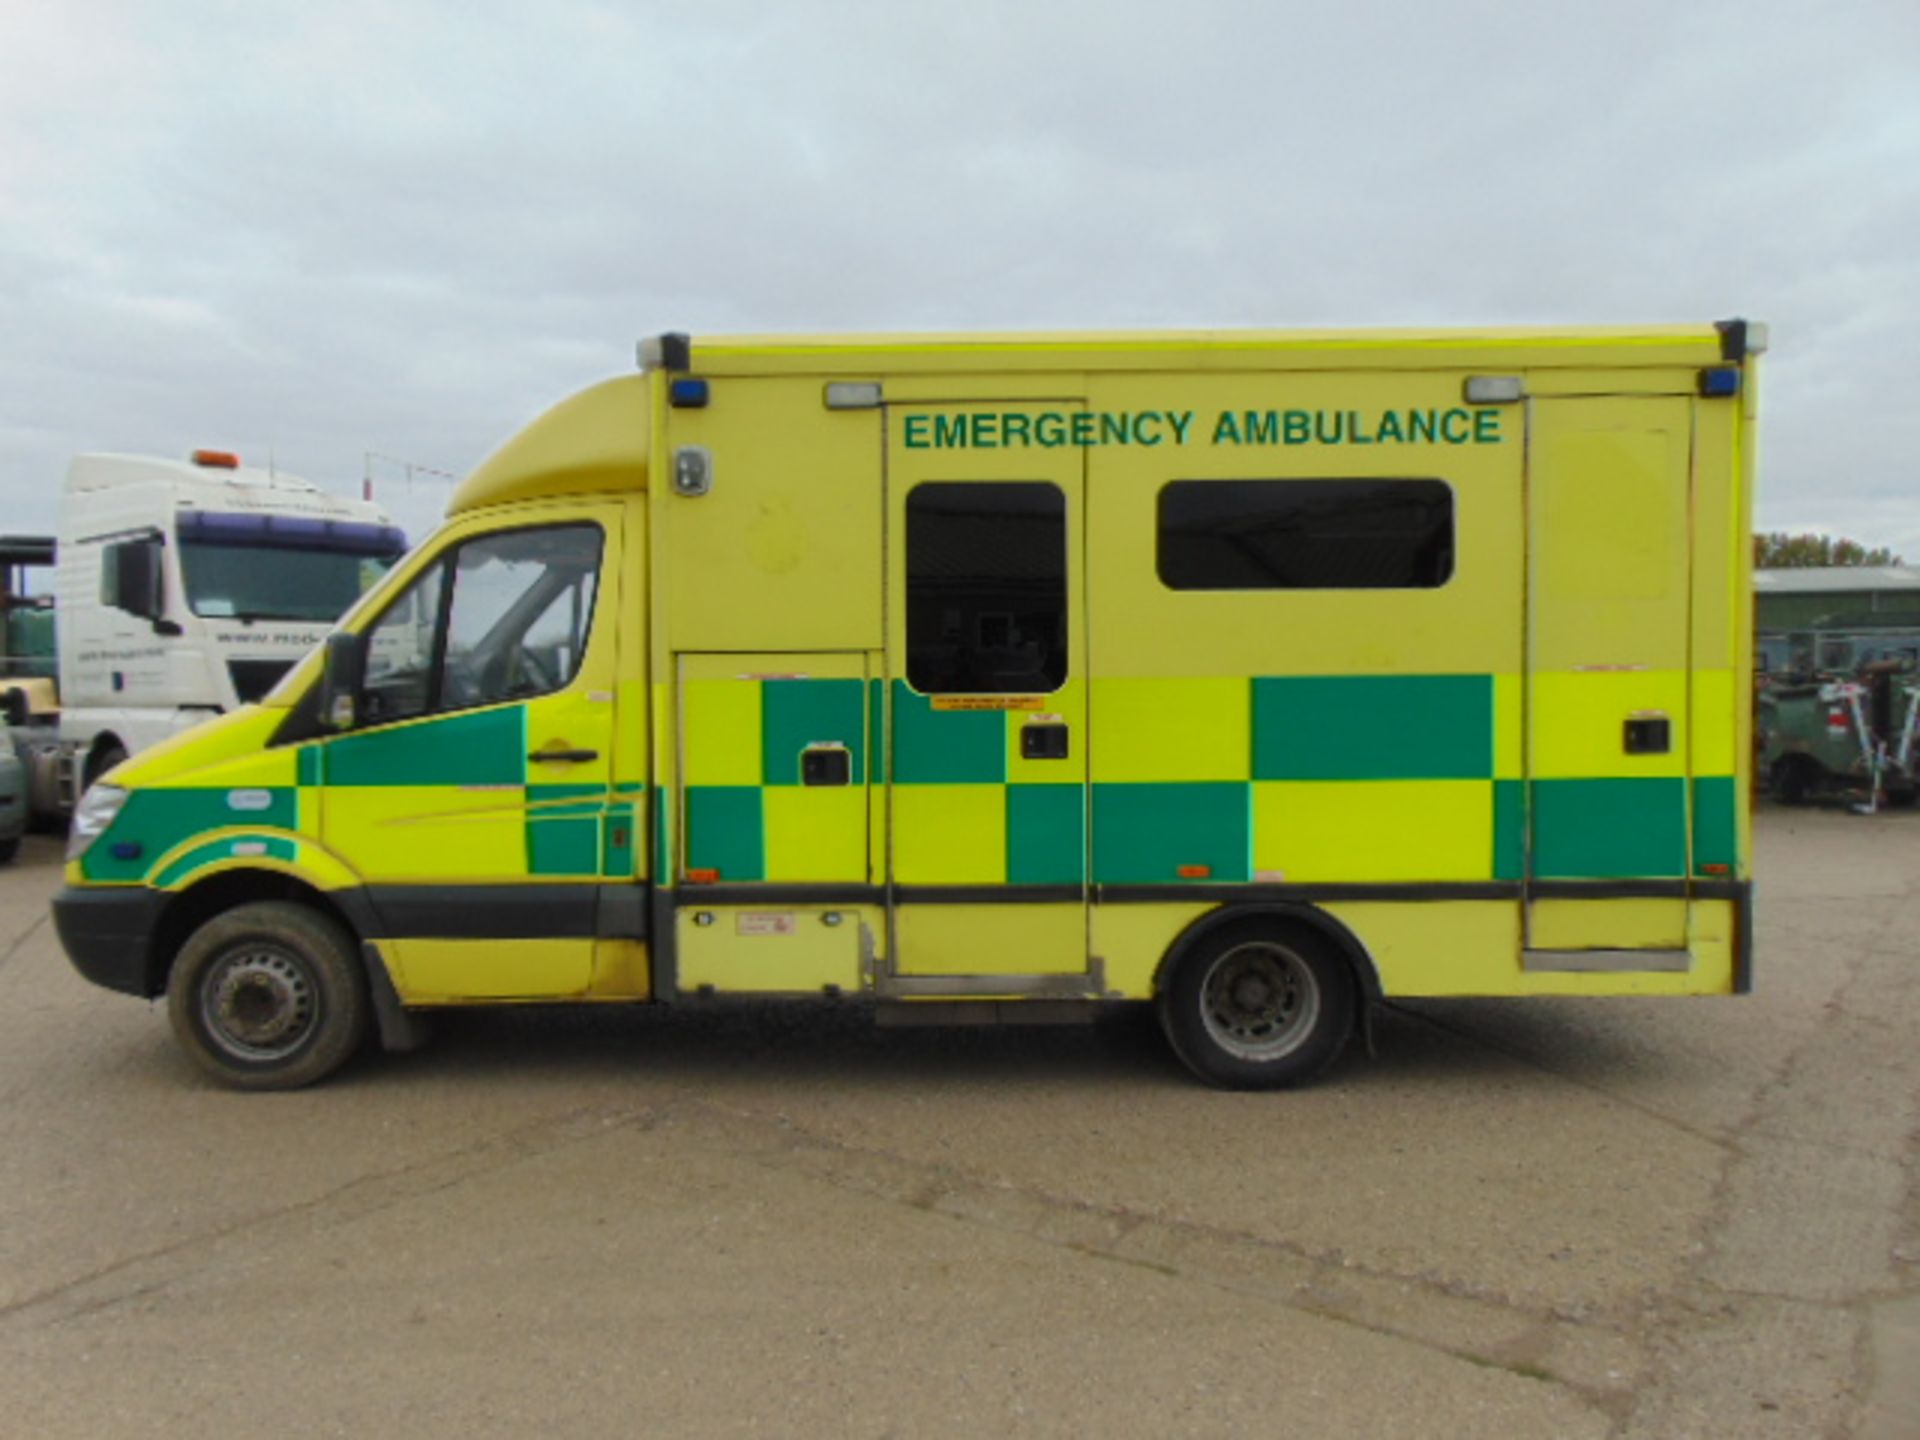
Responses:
[1566,1218]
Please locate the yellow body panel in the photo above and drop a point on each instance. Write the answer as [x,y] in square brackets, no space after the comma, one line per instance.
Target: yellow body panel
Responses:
[1380,830]
[949,834]
[1172,730]
[771,949]
[438,972]
[988,940]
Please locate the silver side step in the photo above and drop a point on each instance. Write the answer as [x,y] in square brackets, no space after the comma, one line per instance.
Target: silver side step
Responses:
[1590,961]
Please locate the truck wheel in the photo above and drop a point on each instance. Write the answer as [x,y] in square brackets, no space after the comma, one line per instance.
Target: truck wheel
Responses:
[268,996]
[1257,1005]
[9,849]
[100,762]
[1792,780]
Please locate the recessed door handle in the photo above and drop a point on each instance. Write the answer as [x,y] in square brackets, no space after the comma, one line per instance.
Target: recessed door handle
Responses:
[563,757]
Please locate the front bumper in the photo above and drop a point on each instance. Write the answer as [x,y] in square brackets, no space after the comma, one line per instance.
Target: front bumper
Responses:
[107,933]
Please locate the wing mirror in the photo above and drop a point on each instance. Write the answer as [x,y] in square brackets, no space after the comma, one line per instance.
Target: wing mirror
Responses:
[340,680]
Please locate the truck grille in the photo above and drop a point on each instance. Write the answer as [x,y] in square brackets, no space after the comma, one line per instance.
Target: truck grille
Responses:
[254,678]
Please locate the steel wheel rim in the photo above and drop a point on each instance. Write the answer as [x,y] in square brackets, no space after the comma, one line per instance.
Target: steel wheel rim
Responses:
[259,1003]
[1259,1001]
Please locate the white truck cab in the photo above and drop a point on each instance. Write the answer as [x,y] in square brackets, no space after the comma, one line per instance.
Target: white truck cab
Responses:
[187,588]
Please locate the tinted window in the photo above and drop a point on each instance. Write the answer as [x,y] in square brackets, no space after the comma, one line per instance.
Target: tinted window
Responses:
[1306,534]
[986,588]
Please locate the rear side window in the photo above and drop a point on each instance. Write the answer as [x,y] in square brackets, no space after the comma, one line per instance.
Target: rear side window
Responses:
[1305,534]
[986,587]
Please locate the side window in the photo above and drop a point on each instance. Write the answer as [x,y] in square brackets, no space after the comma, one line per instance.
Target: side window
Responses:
[1306,534]
[400,652]
[986,588]
[502,617]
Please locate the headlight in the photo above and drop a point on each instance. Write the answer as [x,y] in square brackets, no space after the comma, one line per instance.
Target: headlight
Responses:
[92,817]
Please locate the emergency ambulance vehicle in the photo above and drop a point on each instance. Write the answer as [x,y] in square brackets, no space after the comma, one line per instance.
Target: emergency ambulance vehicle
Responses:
[1261,676]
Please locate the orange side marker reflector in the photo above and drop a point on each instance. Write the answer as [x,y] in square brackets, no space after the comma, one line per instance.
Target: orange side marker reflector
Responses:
[1194,872]
[1716,869]
[702,877]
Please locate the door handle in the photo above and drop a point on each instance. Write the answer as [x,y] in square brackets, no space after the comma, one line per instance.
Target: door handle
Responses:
[563,757]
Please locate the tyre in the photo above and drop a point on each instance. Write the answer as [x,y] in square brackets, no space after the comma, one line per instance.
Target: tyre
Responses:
[1793,780]
[9,849]
[1258,1005]
[268,996]
[100,762]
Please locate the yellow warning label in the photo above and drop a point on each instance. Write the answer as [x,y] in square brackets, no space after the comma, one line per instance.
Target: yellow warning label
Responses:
[988,702]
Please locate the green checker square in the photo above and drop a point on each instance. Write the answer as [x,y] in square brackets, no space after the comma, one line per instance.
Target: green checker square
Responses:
[1373,727]
[797,713]
[563,847]
[1714,824]
[1144,834]
[1608,829]
[725,831]
[1509,829]
[946,747]
[1046,834]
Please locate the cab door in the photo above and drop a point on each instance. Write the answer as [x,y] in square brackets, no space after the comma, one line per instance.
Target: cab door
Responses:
[1607,683]
[986,655]
[474,795]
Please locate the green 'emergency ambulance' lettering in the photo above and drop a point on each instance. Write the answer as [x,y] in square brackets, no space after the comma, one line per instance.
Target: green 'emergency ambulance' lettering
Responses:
[1085,429]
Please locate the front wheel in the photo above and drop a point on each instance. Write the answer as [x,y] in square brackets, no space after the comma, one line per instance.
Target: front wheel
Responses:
[268,996]
[1257,1006]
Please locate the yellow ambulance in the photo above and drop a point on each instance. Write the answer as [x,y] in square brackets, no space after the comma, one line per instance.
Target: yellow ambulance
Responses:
[1259,676]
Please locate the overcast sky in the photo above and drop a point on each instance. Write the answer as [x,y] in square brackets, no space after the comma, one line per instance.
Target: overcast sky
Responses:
[318,230]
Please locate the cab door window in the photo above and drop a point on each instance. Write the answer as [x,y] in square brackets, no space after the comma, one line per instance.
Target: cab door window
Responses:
[501,617]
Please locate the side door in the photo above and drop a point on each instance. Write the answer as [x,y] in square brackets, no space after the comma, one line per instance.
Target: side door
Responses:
[1608,660]
[986,703]
[474,795]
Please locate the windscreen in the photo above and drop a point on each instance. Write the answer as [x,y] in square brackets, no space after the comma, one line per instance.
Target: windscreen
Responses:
[281,567]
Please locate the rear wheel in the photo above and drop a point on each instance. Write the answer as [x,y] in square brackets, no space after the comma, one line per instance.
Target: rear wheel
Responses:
[1256,1006]
[268,996]
[9,849]
[1793,778]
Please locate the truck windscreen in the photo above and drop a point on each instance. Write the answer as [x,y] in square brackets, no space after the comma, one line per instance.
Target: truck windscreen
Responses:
[280,567]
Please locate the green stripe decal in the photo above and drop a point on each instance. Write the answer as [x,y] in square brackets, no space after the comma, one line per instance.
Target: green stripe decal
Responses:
[157,820]
[480,747]
[1144,834]
[946,747]
[1046,834]
[725,831]
[1373,727]
[1609,829]
[231,847]
[797,713]
[1714,840]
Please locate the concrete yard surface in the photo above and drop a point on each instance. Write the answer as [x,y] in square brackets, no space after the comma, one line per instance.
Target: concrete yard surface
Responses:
[1654,1219]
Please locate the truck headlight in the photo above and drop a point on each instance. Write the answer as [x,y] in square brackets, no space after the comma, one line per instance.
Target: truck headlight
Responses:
[92,816]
